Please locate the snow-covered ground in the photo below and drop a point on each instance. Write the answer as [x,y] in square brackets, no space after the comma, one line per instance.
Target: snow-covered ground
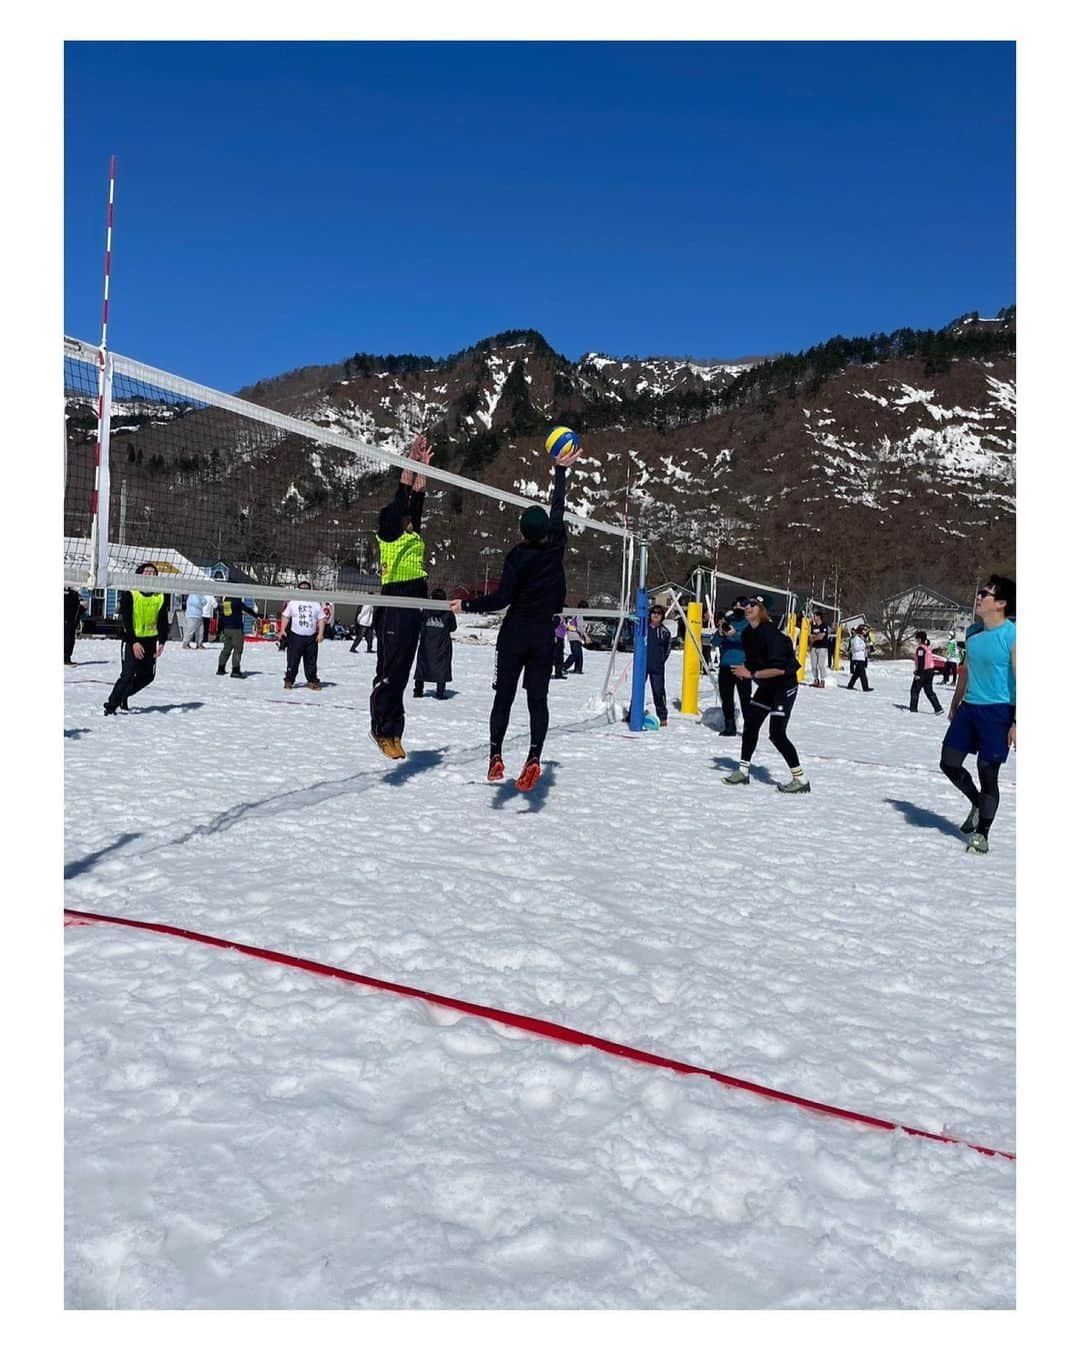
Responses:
[244,1135]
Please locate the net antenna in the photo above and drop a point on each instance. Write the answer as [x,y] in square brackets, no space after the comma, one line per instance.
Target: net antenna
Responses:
[100,495]
[209,477]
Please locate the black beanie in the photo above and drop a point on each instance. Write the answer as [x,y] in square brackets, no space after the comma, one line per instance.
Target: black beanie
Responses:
[535,524]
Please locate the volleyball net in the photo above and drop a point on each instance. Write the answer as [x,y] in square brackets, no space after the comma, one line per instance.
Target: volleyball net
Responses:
[162,469]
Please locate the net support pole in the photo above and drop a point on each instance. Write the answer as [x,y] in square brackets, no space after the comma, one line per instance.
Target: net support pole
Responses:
[804,643]
[691,666]
[637,693]
[99,525]
[837,644]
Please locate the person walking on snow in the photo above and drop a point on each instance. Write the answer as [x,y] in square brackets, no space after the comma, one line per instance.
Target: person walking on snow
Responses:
[952,658]
[771,661]
[657,651]
[860,655]
[532,589]
[923,681]
[558,650]
[435,655]
[982,715]
[230,621]
[144,625]
[576,636]
[73,610]
[365,629]
[303,623]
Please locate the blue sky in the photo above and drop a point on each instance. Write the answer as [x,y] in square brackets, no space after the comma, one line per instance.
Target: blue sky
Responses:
[284,204]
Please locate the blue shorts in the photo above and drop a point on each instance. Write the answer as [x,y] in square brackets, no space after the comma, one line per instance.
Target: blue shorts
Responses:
[983,729]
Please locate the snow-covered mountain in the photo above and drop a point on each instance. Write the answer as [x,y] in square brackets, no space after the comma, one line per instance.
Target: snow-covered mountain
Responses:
[899,467]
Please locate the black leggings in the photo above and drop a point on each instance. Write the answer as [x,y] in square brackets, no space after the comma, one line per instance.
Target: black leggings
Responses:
[923,683]
[136,672]
[858,672]
[779,715]
[986,796]
[529,649]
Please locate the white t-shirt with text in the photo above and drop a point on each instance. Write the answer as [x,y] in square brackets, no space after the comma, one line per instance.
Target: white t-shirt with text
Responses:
[306,616]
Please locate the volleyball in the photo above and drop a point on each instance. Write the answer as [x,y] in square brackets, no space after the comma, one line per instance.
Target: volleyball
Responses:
[561,443]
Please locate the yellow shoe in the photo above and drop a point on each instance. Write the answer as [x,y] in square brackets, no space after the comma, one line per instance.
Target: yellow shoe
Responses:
[397,750]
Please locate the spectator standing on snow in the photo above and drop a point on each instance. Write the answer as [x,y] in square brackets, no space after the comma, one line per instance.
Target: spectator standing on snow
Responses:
[923,681]
[193,621]
[860,655]
[144,626]
[952,658]
[728,644]
[209,608]
[303,622]
[576,636]
[435,656]
[365,627]
[771,660]
[402,563]
[230,622]
[73,610]
[819,649]
[558,650]
[657,651]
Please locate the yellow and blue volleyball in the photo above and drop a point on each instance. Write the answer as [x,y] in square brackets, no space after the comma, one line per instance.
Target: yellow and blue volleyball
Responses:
[561,442]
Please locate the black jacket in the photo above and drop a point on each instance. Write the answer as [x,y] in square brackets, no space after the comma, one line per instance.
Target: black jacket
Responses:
[234,616]
[434,661]
[767,647]
[127,619]
[72,605]
[533,581]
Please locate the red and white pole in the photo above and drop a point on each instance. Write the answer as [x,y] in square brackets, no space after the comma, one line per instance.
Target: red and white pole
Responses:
[99,531]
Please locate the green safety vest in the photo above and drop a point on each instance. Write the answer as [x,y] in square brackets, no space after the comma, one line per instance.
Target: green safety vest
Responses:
[144,613]
[403,560]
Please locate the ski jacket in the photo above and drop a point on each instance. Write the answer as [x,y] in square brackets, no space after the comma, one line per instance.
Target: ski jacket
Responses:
[533,581]
[858,647]
[731,645]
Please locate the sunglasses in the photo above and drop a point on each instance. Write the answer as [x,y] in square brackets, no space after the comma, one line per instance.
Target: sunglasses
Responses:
[982,594]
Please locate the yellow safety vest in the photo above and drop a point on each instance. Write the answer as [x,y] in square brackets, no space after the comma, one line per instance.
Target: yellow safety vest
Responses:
[403,560]
[144,613]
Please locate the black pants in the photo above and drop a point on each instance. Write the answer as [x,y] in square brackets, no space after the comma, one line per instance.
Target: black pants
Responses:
[986,796]
[776,708]
[70,627]
[948,675]
[558,657]
[522,648]
[576,664]
[924,683]
[858,672]
[306,648]
[729,686]
[365,634]
[398,634]
[659,693]
[136,672]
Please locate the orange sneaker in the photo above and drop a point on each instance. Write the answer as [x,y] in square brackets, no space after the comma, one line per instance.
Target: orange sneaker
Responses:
[529,776]
[496,769]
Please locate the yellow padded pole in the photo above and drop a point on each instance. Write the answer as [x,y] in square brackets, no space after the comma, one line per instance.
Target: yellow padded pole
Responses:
[791,624]
[691,664]
[837,644]
[804,643]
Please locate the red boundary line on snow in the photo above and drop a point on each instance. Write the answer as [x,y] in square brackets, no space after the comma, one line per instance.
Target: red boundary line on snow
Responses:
[539,1027]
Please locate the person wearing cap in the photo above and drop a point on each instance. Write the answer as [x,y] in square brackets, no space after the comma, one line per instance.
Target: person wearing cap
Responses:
[730,635]
[303,623]
[532,590]
[144,626]
[860,654]
[771,662]
[402,563]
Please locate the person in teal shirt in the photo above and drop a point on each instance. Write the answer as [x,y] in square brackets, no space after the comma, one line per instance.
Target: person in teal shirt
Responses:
[982,716]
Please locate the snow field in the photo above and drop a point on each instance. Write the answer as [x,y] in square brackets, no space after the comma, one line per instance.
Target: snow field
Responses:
[244,1135]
